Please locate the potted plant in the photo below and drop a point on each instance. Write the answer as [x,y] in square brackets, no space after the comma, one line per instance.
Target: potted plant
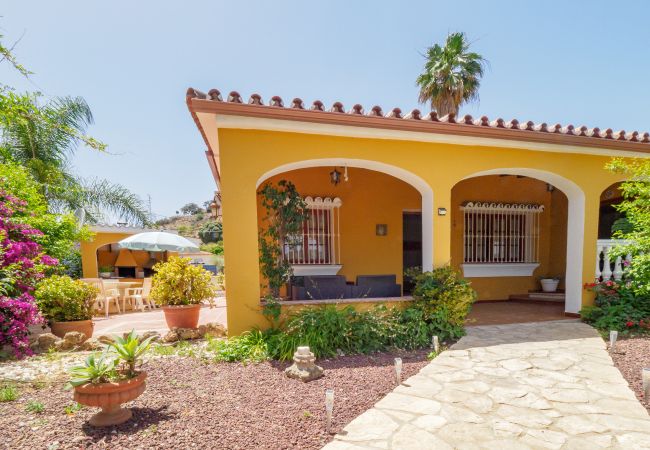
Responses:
[180,287]
[549,284]
[106,271]
[67,304]
[109,379]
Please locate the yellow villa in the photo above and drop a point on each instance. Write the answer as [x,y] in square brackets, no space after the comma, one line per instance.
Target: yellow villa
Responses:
[506,203]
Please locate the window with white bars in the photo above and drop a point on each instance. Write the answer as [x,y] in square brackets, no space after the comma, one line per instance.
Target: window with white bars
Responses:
[496,233]
[320,240]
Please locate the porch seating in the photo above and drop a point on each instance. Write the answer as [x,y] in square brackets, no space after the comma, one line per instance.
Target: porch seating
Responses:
[322,287]
[105,296]
[139,297]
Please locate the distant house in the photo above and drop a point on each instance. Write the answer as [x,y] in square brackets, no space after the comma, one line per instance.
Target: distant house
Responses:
[505,202]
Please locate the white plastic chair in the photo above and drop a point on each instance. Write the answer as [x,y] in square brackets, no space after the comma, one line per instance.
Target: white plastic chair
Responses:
[105,296]
[139,297]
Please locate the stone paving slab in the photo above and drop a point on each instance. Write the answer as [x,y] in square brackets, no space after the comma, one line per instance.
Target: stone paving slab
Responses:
[546,385]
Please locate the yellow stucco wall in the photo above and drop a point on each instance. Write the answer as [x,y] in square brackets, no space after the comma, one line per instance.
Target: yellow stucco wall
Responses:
[246,155]
[368,198]
[511,189]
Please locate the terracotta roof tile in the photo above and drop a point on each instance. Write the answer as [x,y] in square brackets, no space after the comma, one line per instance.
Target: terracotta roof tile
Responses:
[256,99]
[578,133]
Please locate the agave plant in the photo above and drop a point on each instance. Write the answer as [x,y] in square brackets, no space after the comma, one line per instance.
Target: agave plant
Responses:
[130,349]
[96,369]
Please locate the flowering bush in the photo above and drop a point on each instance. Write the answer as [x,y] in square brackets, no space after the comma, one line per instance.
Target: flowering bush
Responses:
[22,265]
[617,306]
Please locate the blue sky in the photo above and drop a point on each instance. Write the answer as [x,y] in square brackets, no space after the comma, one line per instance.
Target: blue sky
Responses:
[579,62]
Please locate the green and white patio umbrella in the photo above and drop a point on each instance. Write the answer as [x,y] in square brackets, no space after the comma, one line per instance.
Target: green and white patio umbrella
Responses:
[158,241]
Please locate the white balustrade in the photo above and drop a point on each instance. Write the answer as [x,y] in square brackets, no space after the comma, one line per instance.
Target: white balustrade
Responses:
[606,269]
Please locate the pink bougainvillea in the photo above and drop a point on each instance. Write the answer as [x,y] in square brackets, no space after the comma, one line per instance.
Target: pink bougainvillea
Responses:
[22,265]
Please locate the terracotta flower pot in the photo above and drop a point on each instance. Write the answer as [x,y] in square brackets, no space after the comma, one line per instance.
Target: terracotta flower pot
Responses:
[109,397]
[183,316]
[83,326]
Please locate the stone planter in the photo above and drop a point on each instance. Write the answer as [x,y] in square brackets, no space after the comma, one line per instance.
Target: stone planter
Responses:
[105,274]
[183,316]
[83,326]
[549,284]
[109,397]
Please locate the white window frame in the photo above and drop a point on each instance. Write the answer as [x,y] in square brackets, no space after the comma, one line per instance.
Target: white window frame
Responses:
[500,240]
[307,259]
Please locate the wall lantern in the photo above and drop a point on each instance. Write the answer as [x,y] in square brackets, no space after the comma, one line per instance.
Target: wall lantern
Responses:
[381,229]
[335,177]
[442,211]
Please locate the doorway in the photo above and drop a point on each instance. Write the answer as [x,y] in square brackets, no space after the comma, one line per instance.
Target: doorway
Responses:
[411,245]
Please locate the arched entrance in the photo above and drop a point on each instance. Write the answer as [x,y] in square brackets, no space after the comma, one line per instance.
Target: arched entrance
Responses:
[410,178]
[359,230]
[520,251]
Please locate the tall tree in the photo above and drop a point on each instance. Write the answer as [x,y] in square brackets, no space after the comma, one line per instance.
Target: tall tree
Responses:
[451,76]
[43,138]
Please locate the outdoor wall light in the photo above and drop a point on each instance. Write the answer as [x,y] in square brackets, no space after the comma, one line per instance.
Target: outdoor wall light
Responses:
[335,177]
[442,211]
[381,229]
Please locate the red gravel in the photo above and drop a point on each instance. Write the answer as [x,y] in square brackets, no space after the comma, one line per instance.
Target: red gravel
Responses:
[631,355]
[190,403]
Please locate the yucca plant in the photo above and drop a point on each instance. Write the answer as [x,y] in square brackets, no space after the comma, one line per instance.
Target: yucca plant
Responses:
[130,349]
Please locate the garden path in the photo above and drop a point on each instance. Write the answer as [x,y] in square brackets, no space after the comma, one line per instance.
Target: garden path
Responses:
[517,386]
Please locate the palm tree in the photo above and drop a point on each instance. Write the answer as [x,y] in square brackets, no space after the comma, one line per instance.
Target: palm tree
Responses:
[45,143]
[452,75]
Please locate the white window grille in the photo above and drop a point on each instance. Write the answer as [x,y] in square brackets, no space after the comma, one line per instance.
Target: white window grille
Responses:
[320,240]
[497,233]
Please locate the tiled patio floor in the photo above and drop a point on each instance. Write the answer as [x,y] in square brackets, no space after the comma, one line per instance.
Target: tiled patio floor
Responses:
[153,320]
[497,313]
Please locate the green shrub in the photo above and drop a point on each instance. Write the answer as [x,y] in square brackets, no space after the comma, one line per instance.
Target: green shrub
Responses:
[8,393]
[211,232]
[62,299]
[443,289]
[250,346]
[34,406]
[179,282]
[216,248]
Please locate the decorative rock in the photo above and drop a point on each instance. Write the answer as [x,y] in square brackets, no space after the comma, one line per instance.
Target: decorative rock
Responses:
[74,338]
[304,367]
[214,329]
[105,339]
[151,334]
[171,336]
[46,341]
[188,333]
[91,345]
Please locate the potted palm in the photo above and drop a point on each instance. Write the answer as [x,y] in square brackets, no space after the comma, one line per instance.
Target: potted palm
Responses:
[67,304]
[180,287]
[549,284]
[109,379]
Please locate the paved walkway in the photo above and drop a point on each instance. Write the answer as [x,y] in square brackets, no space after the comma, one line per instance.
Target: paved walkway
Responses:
[153,320]
[520,386]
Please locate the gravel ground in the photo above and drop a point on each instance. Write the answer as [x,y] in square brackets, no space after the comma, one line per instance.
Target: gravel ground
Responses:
[190,403]
[630,356]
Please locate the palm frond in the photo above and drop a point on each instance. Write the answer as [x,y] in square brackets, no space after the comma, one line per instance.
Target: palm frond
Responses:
[451,75]
[114,198]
